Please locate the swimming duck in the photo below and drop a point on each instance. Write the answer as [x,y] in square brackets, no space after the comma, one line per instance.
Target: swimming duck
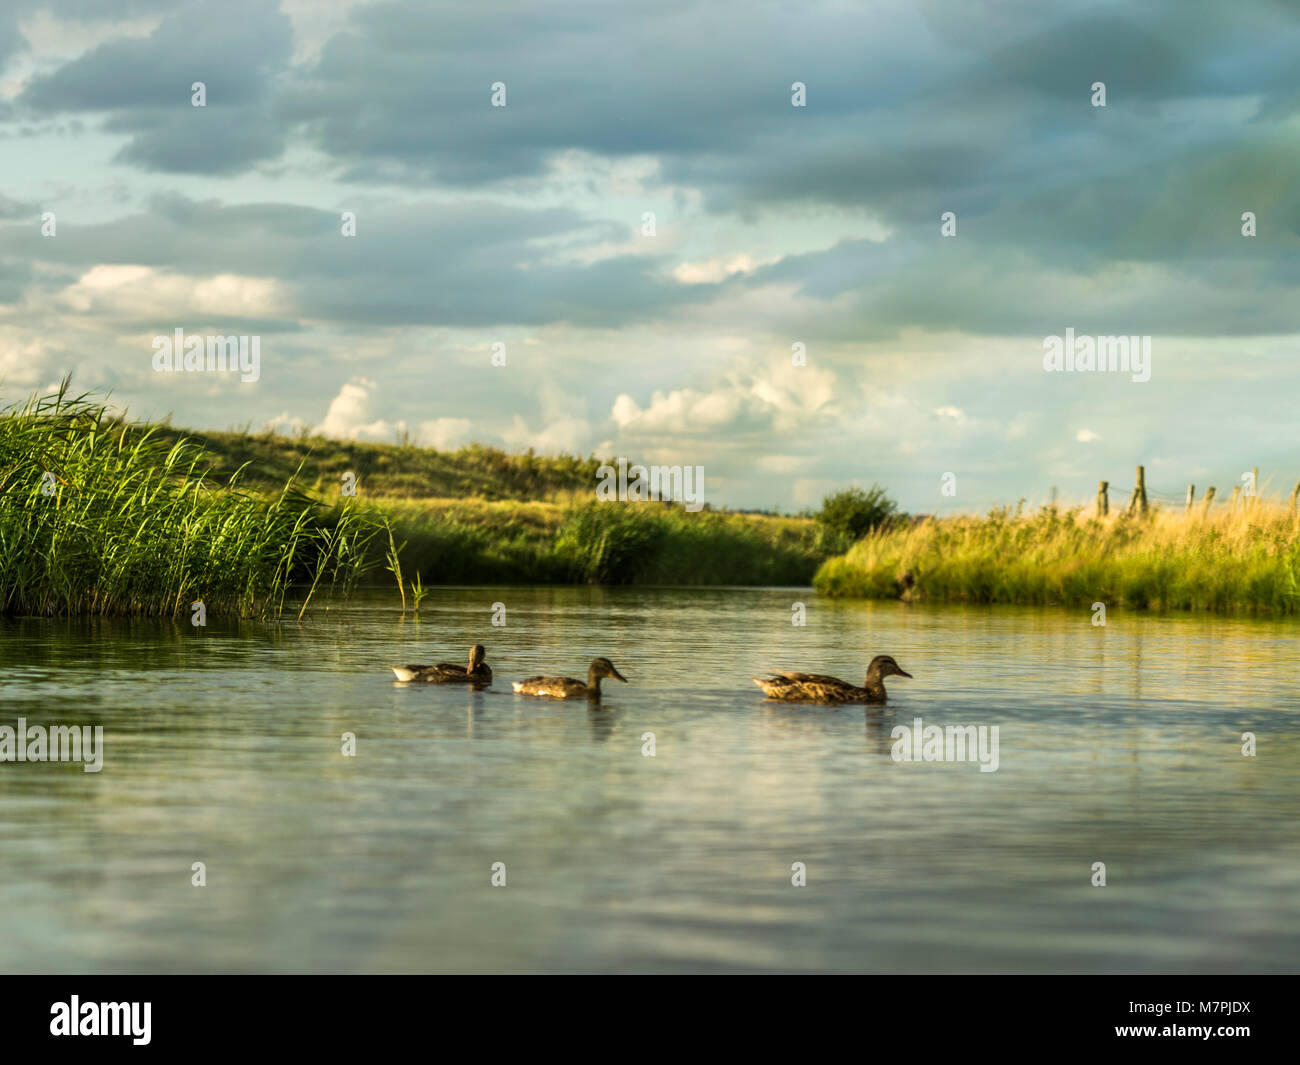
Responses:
[567,687]
[478,672]
[819,688]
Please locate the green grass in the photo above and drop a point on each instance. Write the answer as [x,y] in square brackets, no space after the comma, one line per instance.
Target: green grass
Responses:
[102,516]
[98,520]
[1243,558]
[388,471]
[537,542]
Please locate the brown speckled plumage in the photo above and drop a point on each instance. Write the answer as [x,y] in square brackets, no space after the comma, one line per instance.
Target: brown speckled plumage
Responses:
[478,672]
[792,687]
[567,687]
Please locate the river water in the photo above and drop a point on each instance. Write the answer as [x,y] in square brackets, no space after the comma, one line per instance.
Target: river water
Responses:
[222,745]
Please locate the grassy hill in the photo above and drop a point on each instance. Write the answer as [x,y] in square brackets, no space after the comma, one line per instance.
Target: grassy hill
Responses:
[390,471]
[483,515]
[103,516]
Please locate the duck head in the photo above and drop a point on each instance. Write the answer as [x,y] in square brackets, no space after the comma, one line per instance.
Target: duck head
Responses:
[603,667]
[884,666]
[477,656]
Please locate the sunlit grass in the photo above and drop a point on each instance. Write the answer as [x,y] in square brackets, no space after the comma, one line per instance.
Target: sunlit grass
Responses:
[99,519]
[583,541]
[1244,557]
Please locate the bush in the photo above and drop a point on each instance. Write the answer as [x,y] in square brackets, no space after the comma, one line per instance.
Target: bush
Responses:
[853,513]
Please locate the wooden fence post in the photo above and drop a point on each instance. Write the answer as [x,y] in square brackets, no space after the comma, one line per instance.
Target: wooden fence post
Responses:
[1191,496]
[1209,498]
[1294,493]
[1103,498]
[1138,500]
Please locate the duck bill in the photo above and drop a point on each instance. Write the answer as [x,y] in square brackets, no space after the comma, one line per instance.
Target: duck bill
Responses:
[904,673]
[616,673]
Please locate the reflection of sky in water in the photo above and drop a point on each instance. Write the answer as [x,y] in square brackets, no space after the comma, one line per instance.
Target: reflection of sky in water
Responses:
[1119,745]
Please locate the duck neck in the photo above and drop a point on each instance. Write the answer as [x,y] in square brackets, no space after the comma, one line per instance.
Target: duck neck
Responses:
[593,683]
[874,683]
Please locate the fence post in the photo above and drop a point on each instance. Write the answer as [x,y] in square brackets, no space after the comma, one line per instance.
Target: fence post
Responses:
[1191,496]
[1209,498]
[1103,498]
[1141,489]
[1294,493]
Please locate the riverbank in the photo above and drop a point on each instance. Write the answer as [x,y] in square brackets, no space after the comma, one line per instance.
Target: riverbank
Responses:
[1243,558]
[480,515]
[99,516]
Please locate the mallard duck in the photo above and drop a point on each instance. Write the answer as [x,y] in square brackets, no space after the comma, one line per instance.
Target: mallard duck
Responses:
[819,688]
[478,672]
[567,687]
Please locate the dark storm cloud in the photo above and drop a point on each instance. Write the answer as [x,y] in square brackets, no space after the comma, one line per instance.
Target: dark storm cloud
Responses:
[11,39]
[13,277]
[11,208]
[980,107]
[235,47]
[468,263]
[405,91]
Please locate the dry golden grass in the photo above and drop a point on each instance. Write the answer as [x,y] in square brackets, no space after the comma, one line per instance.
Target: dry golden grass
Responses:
[1230,558]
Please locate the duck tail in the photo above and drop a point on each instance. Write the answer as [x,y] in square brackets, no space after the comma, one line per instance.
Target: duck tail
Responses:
[402,673]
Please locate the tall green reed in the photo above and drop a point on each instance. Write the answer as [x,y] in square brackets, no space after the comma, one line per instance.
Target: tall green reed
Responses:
[101,517]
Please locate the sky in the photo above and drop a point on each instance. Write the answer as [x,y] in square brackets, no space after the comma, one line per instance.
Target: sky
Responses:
[777,230]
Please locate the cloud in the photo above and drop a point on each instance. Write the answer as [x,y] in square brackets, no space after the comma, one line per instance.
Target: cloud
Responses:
[286,423]
[143,86]
[750,400]
[350,415]
[480,224]
[144,293]
[712,271]
[568,435]
[445,434]
[470,262]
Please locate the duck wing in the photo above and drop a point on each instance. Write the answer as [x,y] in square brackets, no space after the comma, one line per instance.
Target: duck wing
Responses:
[810,678]
[443,673]
[551,687]
[809,688]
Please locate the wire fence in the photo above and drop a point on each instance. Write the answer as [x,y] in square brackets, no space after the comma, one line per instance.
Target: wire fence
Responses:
[1121,498]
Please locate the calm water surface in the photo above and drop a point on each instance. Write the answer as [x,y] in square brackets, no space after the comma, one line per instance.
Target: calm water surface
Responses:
[1119,744]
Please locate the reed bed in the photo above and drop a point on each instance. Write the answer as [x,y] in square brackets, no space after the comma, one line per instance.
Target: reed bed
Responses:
[1240,558]
[97,517]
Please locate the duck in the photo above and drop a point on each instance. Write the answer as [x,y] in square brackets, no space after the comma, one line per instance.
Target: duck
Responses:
[819,688]
[478,672]
[567,687]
